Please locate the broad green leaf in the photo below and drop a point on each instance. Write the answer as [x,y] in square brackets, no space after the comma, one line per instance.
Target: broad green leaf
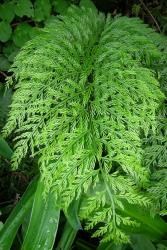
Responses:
[141,242]
[42,9]
[67,237]
[44,221]
[4,63]
[153,227]
[61,6]
[7,11]
[5,100]
[5,150]
[25,223]
[5,31]
[87,4]
[22,34]
[24,8]
[10,50]
[72,215]
[13,222]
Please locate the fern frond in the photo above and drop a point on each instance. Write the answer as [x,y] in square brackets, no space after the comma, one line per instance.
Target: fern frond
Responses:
[156,160]
[86,95]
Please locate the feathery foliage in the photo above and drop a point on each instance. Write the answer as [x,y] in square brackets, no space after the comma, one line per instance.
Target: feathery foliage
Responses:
[156,160]
[86,95]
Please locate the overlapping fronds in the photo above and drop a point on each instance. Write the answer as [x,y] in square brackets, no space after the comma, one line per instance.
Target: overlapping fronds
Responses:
[86,95]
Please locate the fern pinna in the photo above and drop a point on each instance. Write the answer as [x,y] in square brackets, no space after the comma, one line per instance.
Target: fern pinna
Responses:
[86,96]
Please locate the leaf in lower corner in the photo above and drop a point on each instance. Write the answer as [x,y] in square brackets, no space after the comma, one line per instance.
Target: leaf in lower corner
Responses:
[44,221]
[22,34]
[13,222]
[142,242]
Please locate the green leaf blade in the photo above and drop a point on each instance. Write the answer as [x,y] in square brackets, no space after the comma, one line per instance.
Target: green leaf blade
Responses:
[5,150]
[12,224]
[7,11]
[5,31]
[44,222]
[24,8]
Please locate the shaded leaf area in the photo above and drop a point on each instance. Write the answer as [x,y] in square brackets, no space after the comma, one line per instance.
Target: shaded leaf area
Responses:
[5,99]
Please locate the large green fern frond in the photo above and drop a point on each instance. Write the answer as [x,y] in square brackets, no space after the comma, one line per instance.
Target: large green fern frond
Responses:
[86,95]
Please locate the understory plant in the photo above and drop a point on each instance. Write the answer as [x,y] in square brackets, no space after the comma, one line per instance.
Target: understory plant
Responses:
[88,96]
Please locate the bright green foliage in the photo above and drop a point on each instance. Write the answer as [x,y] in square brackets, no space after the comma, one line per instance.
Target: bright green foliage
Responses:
[155,158]
[86,96]
[42,9]
[156,145]
[24,8]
